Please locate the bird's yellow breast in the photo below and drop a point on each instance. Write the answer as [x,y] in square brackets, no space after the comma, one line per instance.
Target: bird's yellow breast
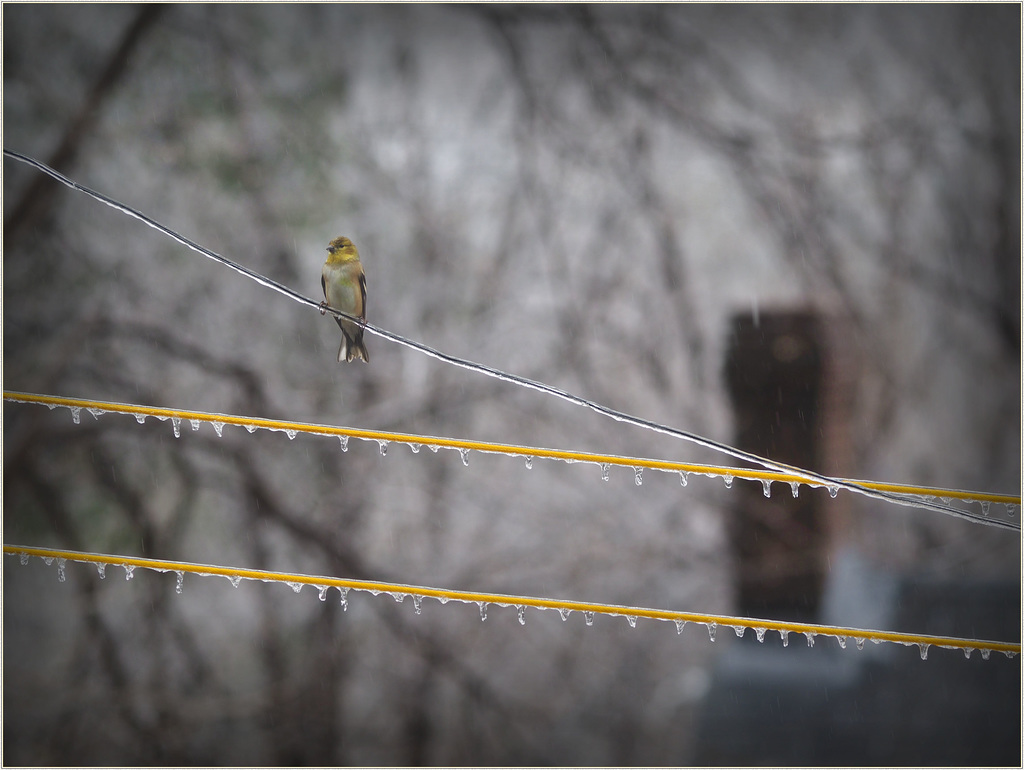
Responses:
[341,285]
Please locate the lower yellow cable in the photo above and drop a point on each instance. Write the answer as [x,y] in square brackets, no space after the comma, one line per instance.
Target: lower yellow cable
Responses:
[784,628]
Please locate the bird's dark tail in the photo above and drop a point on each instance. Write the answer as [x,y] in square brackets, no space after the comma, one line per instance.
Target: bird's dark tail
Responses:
[352,348]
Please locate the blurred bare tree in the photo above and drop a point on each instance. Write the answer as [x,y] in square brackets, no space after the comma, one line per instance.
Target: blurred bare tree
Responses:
[582,196]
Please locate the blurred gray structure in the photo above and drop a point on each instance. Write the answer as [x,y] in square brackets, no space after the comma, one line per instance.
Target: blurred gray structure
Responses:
[823,705]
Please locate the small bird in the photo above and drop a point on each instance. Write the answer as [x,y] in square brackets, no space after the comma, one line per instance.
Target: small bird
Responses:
[344,285]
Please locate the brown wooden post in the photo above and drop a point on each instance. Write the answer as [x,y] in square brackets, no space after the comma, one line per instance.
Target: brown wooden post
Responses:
[778,375]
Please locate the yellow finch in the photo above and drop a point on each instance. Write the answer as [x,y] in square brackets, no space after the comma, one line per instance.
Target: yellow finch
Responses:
[344,285]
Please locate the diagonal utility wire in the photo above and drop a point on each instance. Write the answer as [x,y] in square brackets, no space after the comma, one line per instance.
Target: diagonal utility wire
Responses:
[694,438]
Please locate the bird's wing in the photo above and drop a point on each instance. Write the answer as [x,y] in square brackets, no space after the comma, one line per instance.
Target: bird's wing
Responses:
[362,291]
[323,285]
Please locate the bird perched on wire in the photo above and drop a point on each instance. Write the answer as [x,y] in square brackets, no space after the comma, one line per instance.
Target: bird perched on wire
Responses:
[344,285]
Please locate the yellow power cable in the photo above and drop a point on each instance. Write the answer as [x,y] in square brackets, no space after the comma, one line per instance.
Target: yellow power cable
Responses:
[810,630]
[251,423]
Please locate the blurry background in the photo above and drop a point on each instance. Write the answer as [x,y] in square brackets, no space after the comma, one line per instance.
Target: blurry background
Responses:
[794,228]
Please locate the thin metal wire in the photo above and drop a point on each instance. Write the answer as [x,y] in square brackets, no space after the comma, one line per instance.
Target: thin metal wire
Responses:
[784,628]
[772,465]
[493,448]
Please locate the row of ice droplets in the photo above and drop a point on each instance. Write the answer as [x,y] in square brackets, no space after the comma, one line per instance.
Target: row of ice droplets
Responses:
[638,471]
[564,612]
